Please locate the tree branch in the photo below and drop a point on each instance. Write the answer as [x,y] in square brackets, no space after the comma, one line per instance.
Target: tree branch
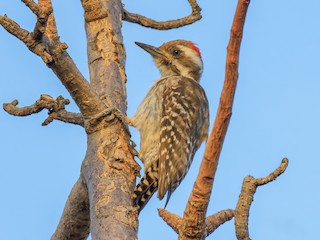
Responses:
[109,167]
[173,220]
[42,17]
[26,37]
[165,25]
[46,44]
[194,226]
[249,187]
[56,109]
[214,221]
[103,41]
[33,7]
[51,31]
[75,221]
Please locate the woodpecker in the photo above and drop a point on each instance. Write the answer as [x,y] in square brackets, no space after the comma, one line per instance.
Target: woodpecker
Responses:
[173,120]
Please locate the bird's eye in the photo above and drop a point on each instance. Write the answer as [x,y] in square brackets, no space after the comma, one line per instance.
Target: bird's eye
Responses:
[176,52]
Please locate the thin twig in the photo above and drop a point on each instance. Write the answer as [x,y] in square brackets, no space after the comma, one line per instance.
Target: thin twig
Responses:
[165,25]
[249,187]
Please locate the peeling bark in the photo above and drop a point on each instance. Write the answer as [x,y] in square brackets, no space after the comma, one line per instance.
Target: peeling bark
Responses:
[110,180]
[106,52]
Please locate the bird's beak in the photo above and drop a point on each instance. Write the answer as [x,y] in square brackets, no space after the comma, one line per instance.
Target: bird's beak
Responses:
[154,51]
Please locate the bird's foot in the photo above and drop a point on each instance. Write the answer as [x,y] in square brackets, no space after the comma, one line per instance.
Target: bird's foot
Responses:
[132,148]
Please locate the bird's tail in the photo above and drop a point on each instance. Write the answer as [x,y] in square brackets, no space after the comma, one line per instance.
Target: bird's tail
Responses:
[147,186]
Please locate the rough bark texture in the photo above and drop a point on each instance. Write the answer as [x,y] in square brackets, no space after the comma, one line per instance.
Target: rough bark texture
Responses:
[106,53]
[249,187]
[214,221]
[108,170]
[76,214]
[110,181]
[56,109]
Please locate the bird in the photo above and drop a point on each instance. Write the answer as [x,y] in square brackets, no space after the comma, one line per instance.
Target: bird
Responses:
[173,120]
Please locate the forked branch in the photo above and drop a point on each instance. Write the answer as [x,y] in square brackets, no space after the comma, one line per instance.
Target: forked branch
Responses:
[44,41]
[26,37]
[212,222]
[165,25]
[42,14]
[249,187]
[56,109]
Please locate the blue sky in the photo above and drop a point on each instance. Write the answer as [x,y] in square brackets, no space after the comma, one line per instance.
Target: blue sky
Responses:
[275,115]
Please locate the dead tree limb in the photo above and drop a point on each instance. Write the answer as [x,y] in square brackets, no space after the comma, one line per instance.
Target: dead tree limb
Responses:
[212,222]
[56,109]
[165,25]
[54,54]
[194,219]
[217,219]
[26,37]
[76,215]
[42,17]
[108,171]
[173,220]
[249,187]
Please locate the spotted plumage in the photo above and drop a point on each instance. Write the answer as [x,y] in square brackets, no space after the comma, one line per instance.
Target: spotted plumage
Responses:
[173,120]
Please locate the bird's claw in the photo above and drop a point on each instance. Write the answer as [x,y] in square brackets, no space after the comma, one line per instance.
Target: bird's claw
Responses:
[132,148]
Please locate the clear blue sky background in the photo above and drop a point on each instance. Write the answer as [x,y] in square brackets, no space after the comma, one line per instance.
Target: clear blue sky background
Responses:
[276,114]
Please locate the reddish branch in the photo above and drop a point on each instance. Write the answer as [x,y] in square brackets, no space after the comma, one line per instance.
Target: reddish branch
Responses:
[56,109]
[249,187]
[193,223]
[165,25]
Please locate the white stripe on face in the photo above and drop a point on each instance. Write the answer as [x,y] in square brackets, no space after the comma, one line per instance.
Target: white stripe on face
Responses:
[193,55]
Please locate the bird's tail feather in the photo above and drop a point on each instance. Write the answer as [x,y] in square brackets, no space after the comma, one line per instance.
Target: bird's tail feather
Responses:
[147,186]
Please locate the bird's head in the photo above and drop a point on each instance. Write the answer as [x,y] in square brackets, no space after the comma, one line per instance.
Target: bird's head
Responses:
[177,58]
